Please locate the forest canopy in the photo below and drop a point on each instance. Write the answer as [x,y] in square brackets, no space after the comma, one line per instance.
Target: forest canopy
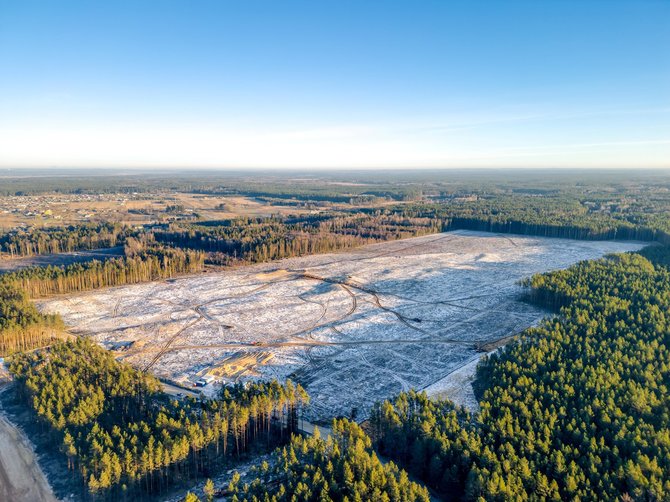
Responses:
[122,435]
[577,409]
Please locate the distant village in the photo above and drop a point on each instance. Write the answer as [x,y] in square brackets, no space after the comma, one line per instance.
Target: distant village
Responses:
[23,211]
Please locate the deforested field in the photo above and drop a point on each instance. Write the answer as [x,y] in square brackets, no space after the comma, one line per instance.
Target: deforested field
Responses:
[352,327]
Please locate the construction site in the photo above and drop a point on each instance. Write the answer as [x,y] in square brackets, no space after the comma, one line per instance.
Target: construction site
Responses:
[352,327]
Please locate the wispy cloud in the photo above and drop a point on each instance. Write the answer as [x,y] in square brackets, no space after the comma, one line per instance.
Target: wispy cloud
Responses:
[591,145]
[475,138]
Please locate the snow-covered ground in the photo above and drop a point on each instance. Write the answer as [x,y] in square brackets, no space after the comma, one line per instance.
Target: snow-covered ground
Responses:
[352,327]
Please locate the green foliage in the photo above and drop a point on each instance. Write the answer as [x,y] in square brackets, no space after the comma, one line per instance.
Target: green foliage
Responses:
[22,326]
[578,409]
[552,207]
[341,467]
[191,498]
[146,264]
[63,239]
[251,240]
[117,429]
[16,311]
[209,491]
[550,216]
[658,255]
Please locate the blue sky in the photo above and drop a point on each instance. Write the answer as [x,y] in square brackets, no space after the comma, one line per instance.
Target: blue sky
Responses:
[335,84]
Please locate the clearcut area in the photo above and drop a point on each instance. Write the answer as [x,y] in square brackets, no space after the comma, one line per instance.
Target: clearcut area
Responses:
[352,327]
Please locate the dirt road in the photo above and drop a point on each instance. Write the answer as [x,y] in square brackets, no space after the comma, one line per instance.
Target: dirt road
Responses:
[21,478]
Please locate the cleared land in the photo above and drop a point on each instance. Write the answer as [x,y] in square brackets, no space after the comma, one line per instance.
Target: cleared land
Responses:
[59,259]
[351,327]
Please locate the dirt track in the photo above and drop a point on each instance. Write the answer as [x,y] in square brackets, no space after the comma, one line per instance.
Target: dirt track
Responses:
[351,327]
[21,478]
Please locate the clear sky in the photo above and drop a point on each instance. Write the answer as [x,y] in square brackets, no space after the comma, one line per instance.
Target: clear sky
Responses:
[342,83]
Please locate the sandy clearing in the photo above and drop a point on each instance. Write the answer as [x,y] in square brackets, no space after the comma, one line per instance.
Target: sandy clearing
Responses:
[457,386]
[21,478]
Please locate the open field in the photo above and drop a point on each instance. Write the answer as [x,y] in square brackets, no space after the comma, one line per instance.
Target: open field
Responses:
[52,210]
[352,327]
[59,259]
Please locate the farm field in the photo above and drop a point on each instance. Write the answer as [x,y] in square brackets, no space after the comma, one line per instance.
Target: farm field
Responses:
[54,210]
[352,327]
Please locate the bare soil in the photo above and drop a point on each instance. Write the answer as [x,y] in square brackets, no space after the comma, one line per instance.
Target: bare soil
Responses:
[21,477]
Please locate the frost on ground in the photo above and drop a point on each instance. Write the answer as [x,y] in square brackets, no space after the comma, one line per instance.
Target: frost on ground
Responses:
[457,386]
[352,327]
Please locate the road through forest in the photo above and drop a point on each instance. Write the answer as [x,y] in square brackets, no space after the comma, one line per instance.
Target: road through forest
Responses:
[21,478]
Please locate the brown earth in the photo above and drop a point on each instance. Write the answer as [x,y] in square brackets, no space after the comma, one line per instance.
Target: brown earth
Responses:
[21,478]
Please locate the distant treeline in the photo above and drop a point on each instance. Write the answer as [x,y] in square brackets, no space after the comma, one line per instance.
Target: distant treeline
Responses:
[22,327]
[578,409]
[251,240]
[163,251]
[150,264]
[317,193]
[545,217]
[302,184]
[538,212]
[123,437]
[208,182]
[51,240]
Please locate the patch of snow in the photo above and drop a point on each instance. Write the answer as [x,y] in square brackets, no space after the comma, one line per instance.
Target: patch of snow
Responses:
[352,327]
